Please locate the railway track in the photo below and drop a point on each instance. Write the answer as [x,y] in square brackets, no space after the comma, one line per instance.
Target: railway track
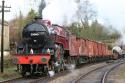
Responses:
[45,79]
[104,79]
[42,79]
[25,80]
[99,74]
[11,80]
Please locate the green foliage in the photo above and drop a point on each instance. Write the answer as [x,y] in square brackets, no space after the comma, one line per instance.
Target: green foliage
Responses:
[95,31]
[31,15]
[20,22]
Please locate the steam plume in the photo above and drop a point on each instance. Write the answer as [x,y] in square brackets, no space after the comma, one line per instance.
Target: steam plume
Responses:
[59,11]
[41,7]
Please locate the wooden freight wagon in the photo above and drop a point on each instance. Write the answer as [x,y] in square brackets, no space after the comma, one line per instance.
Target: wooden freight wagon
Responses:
[84,50]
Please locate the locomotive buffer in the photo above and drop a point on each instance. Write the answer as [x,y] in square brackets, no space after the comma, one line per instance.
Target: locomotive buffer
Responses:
[2,34]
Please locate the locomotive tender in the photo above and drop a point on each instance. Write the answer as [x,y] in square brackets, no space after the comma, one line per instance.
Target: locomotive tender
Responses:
[45,47]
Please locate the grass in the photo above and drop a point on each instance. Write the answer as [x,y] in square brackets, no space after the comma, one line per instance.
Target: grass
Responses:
[9,70]
[9,73]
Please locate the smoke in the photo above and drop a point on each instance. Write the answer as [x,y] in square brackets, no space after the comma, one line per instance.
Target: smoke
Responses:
[51,73]
[70,67]
[41,7]
[121,40]
[60,11]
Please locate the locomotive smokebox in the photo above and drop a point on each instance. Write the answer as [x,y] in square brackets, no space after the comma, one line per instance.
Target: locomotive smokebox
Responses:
[35,33]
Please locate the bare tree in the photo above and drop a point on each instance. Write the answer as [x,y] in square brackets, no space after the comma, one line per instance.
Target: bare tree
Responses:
[85,12]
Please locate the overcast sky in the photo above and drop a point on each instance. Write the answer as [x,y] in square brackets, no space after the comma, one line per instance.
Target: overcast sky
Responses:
[19,5]
[110,11]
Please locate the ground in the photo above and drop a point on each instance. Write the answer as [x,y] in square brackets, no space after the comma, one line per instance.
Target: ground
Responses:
[9,69]
[118,75]
[9,73]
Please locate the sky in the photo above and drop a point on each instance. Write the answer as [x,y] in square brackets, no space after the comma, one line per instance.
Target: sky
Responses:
[19,5]
[109,11]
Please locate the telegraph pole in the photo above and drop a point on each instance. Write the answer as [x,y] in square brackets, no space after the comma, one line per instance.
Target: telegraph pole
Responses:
[2,35]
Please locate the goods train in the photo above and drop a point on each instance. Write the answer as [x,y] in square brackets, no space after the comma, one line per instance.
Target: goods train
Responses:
[45,46]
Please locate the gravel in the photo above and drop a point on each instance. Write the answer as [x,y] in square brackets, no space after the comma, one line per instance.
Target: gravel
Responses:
[117,75]
[76,73]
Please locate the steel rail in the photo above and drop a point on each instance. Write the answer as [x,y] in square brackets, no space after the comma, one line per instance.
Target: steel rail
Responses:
[11,80]
[104,78]
[86,74]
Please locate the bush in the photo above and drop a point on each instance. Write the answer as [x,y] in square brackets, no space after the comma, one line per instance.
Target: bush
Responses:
[8,62]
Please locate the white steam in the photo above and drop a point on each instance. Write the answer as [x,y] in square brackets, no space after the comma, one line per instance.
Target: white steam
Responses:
[70,67]
[121,40]
[60,11]
[51,73]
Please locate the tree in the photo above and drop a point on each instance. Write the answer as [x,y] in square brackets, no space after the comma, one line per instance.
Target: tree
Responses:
[96,31]
[18,24]
[20,20]
[31,15]
[85,12]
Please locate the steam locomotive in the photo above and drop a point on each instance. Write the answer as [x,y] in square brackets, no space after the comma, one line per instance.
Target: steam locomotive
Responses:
[45,47]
